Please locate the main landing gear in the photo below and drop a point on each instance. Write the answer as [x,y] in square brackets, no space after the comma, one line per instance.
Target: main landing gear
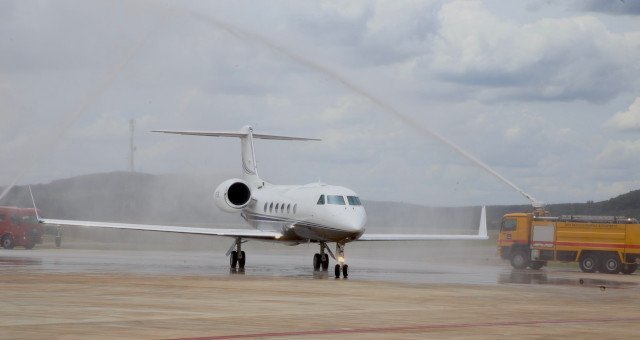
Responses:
[321,260]
[237,257]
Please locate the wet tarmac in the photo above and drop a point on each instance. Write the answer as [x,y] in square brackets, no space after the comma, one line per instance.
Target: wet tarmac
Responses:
[401,291]
[407,265]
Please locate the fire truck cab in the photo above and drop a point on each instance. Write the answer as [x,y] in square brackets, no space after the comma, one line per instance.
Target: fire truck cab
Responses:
[19,227]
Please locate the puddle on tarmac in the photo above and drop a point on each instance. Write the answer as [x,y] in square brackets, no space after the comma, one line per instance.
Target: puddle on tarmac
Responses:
[542,278]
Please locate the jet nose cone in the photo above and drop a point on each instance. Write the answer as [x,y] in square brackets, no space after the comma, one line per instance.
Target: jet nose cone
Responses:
[355,222]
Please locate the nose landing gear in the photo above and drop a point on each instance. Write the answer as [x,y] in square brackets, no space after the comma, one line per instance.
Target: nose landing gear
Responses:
[341,266]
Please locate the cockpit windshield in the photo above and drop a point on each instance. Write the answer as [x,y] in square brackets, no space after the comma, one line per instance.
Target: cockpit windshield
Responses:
[335,199]
[354,200]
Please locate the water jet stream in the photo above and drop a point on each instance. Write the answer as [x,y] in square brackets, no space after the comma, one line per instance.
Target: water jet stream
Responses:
[410,121]
[50,143]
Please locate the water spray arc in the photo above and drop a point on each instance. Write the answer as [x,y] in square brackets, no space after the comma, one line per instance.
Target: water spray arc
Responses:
[80,109]
[411,122]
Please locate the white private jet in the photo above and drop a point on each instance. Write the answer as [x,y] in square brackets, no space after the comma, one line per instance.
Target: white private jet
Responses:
[289,214]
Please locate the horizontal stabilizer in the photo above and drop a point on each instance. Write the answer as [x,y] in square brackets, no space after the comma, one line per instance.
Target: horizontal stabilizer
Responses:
[234,134]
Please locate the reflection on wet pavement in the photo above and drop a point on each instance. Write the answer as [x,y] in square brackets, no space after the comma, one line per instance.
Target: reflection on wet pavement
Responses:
[19,261]
[543,278]
[297,265]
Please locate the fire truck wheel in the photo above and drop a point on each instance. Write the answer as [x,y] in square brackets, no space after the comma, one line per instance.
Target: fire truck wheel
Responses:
[588,263]
[29,246]
[519,259]
[629,268]
[611,264]
[7,242]
[535,265]
[233,259]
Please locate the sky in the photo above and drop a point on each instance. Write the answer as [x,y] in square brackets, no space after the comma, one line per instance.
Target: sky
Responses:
[545,93]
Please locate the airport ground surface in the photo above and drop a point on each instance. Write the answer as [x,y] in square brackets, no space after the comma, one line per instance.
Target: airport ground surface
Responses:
[396,291]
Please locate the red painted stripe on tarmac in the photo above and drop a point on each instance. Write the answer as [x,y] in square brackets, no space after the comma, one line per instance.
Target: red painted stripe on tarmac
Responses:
[408,328]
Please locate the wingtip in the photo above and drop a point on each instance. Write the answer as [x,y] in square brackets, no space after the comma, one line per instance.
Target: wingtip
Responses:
[482,228]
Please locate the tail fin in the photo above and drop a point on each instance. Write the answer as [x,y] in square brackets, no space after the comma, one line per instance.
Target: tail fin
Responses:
[246,135]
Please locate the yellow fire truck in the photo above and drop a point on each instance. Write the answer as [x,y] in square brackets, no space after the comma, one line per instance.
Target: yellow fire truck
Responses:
[608,244]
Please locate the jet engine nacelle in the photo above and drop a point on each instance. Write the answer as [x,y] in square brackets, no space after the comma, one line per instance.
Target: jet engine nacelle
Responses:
[232,195]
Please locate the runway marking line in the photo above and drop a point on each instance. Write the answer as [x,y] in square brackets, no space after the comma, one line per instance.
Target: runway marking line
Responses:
[408,328]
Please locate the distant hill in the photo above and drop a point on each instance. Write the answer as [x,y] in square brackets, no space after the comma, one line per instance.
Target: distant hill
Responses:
[188,199]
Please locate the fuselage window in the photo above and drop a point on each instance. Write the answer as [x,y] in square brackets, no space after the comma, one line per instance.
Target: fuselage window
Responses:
[288,208]
[335,199]
[321,200]
[282,208]
[353,200]
[265,206]
[277,205]
[295,207]
[271,207]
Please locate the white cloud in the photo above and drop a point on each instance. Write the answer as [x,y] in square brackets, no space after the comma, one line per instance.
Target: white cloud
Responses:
[627,120]
[551,59]
[619,154]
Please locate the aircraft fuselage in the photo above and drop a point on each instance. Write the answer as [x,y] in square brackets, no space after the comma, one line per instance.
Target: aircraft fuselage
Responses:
[314,212]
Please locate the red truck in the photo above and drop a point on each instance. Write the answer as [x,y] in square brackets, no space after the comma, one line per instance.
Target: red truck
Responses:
[19,227]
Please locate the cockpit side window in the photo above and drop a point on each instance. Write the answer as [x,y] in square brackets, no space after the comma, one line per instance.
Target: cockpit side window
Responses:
[353,200]
[321,200]
[335,199]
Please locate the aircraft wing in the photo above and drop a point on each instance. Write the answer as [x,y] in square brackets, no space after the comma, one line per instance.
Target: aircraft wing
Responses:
[244,233]
[482,234]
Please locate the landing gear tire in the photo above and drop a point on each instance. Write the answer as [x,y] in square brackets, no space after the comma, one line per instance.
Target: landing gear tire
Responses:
[317,262]
[233,259]
[588,263]
[344,269]
[611,264]
[629,268]
[520,259]
[7,242]
[535,265]
[324,262]
[242,259]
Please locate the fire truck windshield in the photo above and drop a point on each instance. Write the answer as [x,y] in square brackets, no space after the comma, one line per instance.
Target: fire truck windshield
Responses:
[29,219]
